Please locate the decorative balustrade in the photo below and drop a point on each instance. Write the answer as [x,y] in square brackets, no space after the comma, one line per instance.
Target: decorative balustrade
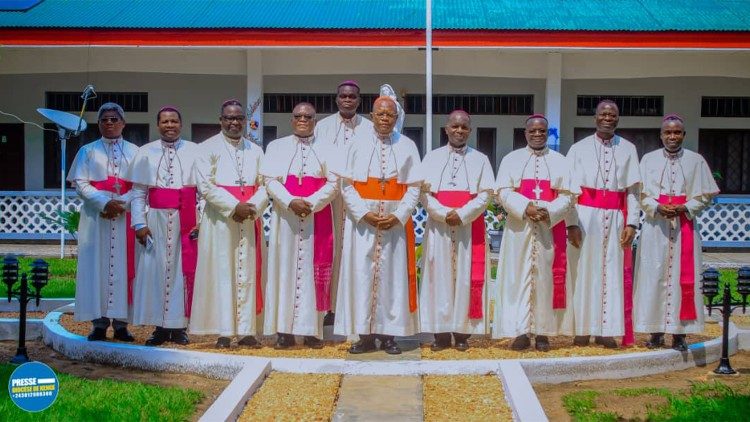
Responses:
[22,216]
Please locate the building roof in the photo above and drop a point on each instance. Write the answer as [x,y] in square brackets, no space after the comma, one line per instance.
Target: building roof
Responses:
[497,15]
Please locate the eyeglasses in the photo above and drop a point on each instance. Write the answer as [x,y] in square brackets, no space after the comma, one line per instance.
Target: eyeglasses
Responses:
[109,119]
[383,114]
[233,118]
[303,116]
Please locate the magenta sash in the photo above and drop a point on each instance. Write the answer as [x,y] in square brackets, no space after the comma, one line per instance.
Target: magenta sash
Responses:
[457,199]
[687,259]
[184,201]
[243,194]
[322,238]
[616,200]
[109,186]
[559,240]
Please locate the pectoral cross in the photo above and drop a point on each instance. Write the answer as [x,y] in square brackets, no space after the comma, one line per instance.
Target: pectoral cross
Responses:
[537,192]
[299,178]
[117,187]
[382,184]
[241,182]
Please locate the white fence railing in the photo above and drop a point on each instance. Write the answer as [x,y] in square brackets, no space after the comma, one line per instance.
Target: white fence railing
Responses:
[22,216]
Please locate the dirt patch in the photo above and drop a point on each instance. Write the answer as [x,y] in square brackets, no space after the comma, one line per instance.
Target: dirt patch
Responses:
[550,395]
[465,397]
[39,352]
[283,396]
[29,315]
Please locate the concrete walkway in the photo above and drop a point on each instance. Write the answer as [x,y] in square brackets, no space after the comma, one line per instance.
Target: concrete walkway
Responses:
[379,398]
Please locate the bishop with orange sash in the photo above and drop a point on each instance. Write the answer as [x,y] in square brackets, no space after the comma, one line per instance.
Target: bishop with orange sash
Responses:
[228,293]
[106,260]
[377,292]
[458,185]
[677,186]
[534,288]
[165,217]
[300,259]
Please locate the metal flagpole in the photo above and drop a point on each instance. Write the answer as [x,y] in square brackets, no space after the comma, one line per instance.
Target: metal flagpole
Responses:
[63,143]
[428,77]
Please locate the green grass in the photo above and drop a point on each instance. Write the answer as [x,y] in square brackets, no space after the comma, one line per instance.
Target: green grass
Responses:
[703,402]
[80,399]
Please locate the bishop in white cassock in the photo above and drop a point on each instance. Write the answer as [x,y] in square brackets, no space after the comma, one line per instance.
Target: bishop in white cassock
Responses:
[228,278]
[164,216]
[458,185]
[106,261]
[377,293]
[300,259]
[677,186]
[339,131]
[606,181]
[534,289]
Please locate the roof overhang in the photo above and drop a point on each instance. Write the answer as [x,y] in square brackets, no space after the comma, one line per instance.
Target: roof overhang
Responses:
[375,38]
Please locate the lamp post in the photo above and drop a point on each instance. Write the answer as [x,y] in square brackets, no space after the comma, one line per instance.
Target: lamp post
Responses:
[39,277]
[710,289]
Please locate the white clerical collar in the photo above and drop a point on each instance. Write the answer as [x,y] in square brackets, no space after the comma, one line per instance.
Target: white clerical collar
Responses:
[387,139]
[351,121]
[605,142]
[176,144]
[306,140]
[673,155]
[533,151]
[460,151]
[111,140]
[237,143]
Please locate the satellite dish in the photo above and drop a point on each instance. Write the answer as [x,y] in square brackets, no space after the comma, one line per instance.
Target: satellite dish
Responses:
[67,121]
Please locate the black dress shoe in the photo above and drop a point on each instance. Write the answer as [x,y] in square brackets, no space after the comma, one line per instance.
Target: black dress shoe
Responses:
[679,343]
[541,343]
[391,347]
[158,337]
[223,343]
[607,342]
[249,341]
[179,336]
[521,342]
[442,342]
[656,341]
[363,346]
[329,318]
[284,341]
[581,340]
[98,334]
[462,341]
[313,342]
[122,334]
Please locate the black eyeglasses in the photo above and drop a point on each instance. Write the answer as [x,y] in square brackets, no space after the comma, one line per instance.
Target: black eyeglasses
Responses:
[109,119]
[303,116]
[233,118]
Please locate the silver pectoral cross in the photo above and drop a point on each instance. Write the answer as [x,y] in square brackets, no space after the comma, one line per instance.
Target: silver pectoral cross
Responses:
[117,187]
[299,178]
[382,184]
[241,182]
[537,192]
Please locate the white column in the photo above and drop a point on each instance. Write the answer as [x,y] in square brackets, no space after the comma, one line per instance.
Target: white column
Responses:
[254,75]
[428,78]
[553,98]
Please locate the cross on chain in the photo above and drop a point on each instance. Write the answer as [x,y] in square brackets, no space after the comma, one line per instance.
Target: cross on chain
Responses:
[537,192]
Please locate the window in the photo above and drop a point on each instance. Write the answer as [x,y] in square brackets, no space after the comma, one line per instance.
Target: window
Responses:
[628,105]
[136,133]
[486,143]
[203,131]
[725,107]
[519,138]
[416,134]
[323,103]
[645,140]
[727,152]
[269,134]
[72,101]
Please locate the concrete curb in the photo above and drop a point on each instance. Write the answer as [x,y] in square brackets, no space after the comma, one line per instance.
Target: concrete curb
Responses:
[9,329]
[45,305]
[519,393]
[230,403]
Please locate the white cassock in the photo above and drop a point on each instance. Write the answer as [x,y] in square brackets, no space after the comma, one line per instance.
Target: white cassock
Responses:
[98,170]
[226,278]
[339,133]
[160,289]
[605,174]
[528,299]
[460,180]
[682,178]
[299,277]
[374,290]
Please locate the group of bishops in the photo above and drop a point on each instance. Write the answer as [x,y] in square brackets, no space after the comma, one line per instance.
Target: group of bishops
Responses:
[171,233]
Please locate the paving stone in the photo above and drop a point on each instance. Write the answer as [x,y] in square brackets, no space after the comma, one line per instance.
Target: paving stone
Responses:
[379,398]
